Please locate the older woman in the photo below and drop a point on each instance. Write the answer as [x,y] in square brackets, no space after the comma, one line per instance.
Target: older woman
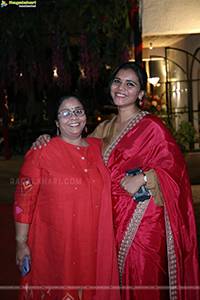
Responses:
[156,238]
[63,215]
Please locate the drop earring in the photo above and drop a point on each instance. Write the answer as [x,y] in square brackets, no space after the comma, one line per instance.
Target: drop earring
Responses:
[58,133]
[140,102]
[86,129]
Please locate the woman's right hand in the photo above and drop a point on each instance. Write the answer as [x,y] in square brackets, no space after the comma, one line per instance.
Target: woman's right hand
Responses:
[41,140]
[22,250]
[132,184]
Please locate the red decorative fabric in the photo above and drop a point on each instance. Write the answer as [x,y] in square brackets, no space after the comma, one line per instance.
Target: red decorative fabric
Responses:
[4,115]
[133,10]
[164,245]
[64,192]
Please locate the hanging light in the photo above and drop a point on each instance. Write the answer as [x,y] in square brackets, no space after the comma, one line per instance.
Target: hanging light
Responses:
[153,80]
[150,47]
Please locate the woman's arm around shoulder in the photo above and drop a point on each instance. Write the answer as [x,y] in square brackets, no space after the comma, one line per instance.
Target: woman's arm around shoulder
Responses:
[42,140]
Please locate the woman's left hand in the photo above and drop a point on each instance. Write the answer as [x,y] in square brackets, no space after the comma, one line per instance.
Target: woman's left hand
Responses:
[22,250]
[132,184]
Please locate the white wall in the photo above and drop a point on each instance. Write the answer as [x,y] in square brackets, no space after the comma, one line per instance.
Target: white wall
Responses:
[190,43]
[162,17]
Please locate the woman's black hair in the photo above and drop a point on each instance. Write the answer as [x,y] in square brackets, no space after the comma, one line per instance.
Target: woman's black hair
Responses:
[65,96]
[135,67]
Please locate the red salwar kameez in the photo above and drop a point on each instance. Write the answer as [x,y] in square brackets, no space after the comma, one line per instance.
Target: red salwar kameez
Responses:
[64,193]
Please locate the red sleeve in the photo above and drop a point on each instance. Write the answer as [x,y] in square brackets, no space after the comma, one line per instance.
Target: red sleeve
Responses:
[27,188]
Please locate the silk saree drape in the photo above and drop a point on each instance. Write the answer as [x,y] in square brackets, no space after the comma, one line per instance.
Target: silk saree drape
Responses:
[157,246]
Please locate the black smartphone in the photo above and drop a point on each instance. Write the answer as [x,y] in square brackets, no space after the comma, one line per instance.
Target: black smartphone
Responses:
[25,267]
[143,193]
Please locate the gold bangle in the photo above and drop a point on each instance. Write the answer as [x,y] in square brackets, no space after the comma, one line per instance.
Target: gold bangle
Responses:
[18,238]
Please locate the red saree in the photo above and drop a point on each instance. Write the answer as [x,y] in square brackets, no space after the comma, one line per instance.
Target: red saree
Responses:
[157,246]
[64,192]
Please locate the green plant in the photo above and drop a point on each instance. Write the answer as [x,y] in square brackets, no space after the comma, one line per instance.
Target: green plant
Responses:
[186,133]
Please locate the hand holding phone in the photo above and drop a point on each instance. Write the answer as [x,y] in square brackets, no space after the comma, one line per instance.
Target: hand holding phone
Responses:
[25,267]
[143,193]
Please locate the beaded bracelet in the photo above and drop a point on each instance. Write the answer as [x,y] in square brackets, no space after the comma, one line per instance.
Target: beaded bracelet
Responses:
[21,238]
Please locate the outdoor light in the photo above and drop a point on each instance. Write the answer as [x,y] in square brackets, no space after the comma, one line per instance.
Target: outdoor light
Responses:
[55,74]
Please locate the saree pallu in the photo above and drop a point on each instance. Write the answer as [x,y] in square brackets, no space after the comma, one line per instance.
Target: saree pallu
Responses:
[157,246]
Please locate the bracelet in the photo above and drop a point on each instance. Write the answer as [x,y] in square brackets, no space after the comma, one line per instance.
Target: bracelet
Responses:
[145,177]
[21,238]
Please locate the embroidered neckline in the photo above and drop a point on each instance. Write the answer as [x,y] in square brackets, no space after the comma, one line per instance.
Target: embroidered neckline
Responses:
[130,125]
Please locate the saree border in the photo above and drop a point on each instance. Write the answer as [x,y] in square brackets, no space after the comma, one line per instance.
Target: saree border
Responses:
[130,234]
[141,206]
[128,127]
[172,264]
